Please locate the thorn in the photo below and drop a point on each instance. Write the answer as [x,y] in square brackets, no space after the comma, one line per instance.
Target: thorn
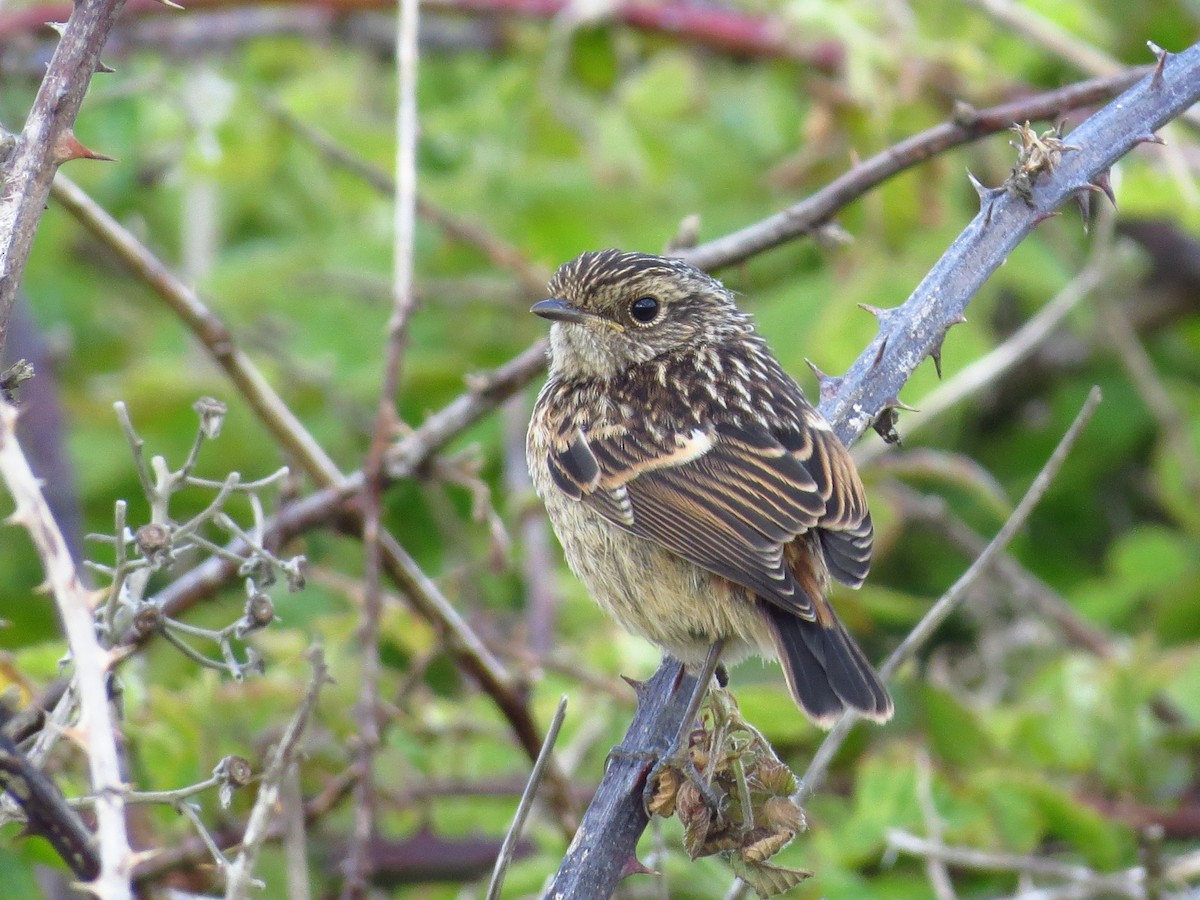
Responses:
[1043,216]
[169,4]
[1083,198]
[1148,139]
[58,27]
[879,352]
[68,147]
[1156,80]
[936,352]
[980,188]
[104,68]
[634,866]
[987,197]
[882,315]
[639,687]
[1104,183]
[829,384]
[897,403]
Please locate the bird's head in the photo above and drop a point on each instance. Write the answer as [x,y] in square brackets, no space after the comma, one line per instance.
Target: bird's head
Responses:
[612,310]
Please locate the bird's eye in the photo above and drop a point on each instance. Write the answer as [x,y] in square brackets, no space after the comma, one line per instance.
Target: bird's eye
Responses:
[644,310]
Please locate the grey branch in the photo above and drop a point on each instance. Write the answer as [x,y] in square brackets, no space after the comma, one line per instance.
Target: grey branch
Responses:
[282,757]
[47,141]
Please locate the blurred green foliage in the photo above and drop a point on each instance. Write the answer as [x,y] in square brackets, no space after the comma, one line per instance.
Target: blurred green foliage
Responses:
[556,141]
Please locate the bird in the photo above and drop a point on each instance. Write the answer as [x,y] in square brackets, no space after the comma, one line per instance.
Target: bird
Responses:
[701,499]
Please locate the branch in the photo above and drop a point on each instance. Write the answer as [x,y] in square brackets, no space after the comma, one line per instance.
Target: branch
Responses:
[386,418]
[809,214]
[726,30]
[214,335]
[262,816]
[953,598]
[335,500]
[604,848]
[95,729]
[47,140]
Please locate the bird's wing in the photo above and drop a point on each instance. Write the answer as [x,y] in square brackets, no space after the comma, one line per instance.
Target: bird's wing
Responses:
[728,498]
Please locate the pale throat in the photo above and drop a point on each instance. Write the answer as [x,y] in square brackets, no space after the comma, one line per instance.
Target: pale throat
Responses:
[577,351]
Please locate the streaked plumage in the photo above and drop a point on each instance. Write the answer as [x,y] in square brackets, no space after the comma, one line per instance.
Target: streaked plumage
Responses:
[695,491]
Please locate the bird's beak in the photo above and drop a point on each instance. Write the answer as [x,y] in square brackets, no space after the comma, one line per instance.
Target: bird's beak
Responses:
[559,311]
[562,311]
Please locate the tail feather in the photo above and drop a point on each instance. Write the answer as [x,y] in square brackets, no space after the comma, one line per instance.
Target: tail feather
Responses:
[826,671]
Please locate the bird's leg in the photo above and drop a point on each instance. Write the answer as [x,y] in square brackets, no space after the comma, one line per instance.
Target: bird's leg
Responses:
[677,754]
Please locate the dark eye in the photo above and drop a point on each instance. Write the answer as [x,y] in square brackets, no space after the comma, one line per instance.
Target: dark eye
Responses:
[644,310]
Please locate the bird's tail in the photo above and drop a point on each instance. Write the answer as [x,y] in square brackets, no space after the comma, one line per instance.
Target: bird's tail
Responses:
[826,671]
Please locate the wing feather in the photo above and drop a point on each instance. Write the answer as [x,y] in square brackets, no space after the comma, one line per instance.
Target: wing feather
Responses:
[729,495]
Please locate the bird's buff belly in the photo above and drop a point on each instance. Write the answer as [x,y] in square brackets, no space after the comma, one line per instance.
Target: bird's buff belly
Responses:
[656,594]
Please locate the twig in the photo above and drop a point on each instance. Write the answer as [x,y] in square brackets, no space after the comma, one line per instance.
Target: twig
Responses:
[366,712]
[935,869]
[295,844]
[187,854]
[96,728]
[950,600]
[725,30]
[1124,884]
[261,816]
[1171,420]
[213,334]
[527,797]
[47,140]
[819,208]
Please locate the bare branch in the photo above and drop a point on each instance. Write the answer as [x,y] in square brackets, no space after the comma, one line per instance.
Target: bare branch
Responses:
[954,597]
[540,766]
[47,140]
[258,827]
[213,334]
[96,728]
[366,712]
[807,215]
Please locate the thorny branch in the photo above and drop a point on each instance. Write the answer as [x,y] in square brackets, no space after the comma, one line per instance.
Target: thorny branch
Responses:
[47,140]
[96,729]
[908,334]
